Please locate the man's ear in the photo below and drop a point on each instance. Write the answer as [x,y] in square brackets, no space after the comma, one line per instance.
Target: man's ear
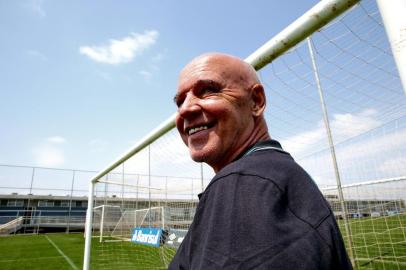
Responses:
[258,100]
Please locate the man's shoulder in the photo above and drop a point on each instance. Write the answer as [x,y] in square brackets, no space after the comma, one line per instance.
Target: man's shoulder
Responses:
[274,165]
[293,183]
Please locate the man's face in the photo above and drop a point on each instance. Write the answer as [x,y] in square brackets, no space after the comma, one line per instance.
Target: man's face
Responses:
[214,115]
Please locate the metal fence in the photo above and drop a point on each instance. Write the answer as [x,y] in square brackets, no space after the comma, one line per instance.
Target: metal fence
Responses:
[38,199]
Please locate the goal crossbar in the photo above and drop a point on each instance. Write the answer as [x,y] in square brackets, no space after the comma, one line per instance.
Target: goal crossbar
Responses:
[128,185]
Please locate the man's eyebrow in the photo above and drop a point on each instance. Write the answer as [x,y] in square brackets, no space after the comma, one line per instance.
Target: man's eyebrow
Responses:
[200,83]
[207,82]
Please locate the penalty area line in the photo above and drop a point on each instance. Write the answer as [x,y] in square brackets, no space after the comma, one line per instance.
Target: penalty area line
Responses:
[62,254]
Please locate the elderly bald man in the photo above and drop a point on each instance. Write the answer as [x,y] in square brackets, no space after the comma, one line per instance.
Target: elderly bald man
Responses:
[261,210]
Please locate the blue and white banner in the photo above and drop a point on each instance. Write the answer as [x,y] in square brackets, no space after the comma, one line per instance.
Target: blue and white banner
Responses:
[147,236]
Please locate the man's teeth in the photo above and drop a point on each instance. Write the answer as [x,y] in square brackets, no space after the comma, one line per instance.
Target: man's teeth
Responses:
[196,129]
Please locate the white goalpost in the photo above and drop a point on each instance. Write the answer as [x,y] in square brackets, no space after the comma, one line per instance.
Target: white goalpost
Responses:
[141,205]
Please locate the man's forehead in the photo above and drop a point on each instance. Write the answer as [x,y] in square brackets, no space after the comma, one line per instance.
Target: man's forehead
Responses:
[209,67]
[214,60]
[196,76]
[222,68]
[204,64]
[193,76]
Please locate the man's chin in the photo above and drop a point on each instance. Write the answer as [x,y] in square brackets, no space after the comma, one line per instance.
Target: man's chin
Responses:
[198,156]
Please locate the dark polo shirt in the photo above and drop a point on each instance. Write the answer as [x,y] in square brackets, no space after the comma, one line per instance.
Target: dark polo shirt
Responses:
[262,211]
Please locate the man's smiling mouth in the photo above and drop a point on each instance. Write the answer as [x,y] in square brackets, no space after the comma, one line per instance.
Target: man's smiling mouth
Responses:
[192,130]
[196,129]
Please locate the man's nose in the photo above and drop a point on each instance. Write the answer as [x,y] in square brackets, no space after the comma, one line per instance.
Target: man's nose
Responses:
[190,106]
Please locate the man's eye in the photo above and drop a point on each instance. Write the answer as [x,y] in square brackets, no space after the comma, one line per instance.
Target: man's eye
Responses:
[179,102]
[209,90]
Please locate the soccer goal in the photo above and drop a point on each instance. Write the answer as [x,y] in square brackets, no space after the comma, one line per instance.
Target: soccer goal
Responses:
[138,218]
[105,220]
[115,224]
[335,102]
[141,219]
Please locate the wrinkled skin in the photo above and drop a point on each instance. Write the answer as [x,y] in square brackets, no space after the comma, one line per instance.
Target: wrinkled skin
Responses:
[220,108]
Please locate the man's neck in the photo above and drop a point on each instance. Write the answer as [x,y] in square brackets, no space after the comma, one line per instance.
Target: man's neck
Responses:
[258,134]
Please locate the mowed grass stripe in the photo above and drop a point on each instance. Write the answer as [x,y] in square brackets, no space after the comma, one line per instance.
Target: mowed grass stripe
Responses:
[34,252]
[63,254]
[29,259]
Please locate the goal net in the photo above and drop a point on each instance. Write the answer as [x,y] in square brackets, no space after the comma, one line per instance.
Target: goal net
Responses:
[137,218]
[350,63]
[131,209]
[105,220]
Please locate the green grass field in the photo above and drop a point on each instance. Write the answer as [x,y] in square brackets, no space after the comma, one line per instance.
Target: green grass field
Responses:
[37,252]
[65,251]
[380,243]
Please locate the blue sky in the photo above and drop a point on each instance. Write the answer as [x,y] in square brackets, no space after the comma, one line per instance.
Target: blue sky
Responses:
[82,81]
[64,102]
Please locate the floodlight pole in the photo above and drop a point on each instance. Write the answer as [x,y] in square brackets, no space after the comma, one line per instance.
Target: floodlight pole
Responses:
[394,19]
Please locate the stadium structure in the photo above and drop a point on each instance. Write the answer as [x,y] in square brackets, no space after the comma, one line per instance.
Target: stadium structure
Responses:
[46,213]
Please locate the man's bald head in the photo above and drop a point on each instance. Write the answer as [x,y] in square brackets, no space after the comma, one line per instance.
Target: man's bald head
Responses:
[220,108]
[233,67]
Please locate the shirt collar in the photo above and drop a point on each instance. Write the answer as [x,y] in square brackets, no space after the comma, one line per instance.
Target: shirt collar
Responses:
[259,146]
[263,145]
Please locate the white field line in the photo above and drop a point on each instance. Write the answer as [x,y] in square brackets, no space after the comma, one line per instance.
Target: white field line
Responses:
[63,254]
[381,260]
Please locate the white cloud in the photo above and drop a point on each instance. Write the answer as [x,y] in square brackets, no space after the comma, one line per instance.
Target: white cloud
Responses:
[152,67]
[98,145]
[37,54]
[158,57]
[349,125]
[169,156]
[376,147]
[104,75]
[146,75]
[121,51]
[171,168]
[361,155]
[56,139]
[50,153]
[344,126]
[370,156]
[173,156]
[49,156]
[36,7]
[395,164]
[377,156]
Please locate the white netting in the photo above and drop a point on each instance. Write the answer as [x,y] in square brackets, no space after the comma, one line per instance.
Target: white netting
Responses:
[136,218]
[105,219]
[367,113]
